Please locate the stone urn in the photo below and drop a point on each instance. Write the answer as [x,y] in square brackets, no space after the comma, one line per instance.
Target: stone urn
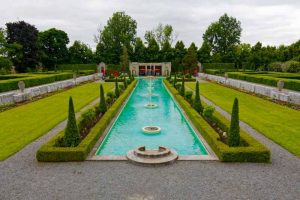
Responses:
[280,85]
[21,86]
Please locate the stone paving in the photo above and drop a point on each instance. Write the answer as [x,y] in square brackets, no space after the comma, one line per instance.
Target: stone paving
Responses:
[22,177]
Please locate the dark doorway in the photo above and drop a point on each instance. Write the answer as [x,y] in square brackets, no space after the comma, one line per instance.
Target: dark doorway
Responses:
[157,71]
[142,71]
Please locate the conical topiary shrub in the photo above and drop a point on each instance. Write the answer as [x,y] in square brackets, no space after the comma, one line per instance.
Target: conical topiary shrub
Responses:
[102,105]
[72,135]
[234,130]
[197,102]
[117,92]
[182,89]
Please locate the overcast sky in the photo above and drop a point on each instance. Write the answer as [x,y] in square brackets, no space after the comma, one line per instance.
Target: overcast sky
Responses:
[272,22]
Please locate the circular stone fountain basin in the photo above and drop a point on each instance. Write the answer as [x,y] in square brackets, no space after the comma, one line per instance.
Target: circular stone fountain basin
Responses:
[151,129]
[151,105]
[144,156]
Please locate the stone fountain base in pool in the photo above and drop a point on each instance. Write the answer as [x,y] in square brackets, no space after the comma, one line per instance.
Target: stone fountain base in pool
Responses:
[144,156]
[151,105]
[151,129]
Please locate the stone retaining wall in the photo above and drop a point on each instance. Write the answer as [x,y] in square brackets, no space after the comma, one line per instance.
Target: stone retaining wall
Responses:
[16,96]
[272,92]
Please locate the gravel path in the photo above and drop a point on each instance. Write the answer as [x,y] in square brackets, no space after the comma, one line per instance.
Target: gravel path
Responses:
[22,177]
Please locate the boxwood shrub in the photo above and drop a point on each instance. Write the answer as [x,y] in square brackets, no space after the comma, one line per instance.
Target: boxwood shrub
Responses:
[252,151]
[49,152]
[266,80]
[33,80]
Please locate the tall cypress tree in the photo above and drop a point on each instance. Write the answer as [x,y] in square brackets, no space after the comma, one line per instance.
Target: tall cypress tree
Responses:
[117,92]
[197,102]
[72,135]
[234,130]
[102,105]
[182,89]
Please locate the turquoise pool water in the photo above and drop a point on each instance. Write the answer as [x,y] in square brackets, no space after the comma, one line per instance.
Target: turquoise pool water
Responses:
[126,132]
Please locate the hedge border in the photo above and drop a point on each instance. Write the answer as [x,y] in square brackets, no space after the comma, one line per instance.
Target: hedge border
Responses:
[49,153]
[254,152]
[266,80]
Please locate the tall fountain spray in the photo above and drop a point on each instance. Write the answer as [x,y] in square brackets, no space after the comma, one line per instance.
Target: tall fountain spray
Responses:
[150,86]
[151,129]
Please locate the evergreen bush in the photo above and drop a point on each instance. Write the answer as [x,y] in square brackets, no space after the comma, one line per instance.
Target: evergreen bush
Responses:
[71,136]
[102,105]
[234,130]
[208,111]
[197,102]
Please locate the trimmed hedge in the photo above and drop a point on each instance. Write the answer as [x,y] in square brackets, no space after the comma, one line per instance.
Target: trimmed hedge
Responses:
[50,153]
[78,67]
[33,80]
[218,66]
[266,80]
[253,151]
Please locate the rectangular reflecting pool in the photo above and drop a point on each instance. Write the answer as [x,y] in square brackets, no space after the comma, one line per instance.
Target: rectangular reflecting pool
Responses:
[126,132]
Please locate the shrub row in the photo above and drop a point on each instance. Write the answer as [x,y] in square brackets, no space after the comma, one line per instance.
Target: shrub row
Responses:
[30,81]
[78,67]
[49,152]
[266,80]
[218,66]
[289,66]
[252,152]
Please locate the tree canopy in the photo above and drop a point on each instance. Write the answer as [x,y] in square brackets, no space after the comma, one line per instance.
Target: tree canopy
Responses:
[223,34]
[53,47]
[119,31]
[80,53]
[22,38]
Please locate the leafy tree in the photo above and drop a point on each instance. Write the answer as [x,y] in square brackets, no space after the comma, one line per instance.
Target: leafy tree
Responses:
[124,60]
[22,38]
[204,53]
[72,135]
[164,34]
[179,53]
[80,53]
[139,51]
[102,105]
[3,43]
[53,45]
[255,58]
[234,130]
[166,52]
[117,91]
[190,59]
[119,32]
[152,50]
[223,34]
[197,102]
[5,63]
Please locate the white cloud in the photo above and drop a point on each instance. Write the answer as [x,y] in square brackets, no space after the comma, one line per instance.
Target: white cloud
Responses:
[272,22]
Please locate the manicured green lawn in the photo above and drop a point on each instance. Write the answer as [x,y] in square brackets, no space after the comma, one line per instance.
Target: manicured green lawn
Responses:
[22,125]
[279,123]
